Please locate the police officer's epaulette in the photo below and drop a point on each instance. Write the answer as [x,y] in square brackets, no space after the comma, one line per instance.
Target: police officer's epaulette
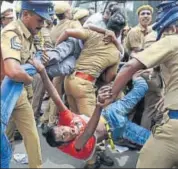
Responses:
[15,44]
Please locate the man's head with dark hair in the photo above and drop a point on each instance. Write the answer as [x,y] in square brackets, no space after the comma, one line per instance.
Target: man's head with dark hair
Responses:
[116,22]
[51,138]
[59,135]
[110,10]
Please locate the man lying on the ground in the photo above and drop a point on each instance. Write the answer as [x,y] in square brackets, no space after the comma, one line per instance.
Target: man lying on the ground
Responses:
[76,137]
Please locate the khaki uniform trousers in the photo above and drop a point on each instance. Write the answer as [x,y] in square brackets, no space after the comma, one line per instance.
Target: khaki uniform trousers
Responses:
[151,99]
[11,127]
[80,95]
[50,116]
[24,120]
[150,111]
[161,149]
[39,91]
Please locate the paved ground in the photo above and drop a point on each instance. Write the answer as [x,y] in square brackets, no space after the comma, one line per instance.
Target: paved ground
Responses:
[53,158]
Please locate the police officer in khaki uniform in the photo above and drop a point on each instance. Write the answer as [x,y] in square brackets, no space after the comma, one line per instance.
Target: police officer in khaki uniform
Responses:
[161,150]
[134,41]
[17,49]
[42,43]
[95,58]
[155,91]
[64,14]
[137,39]
[11,131]
[6,17]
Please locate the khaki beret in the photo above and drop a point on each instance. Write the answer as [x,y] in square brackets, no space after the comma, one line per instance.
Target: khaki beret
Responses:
[61,7]
[7,14]
[80,13]
[145,7]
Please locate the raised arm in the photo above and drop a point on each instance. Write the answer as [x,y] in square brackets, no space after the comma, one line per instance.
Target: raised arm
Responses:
[104,93]
[48,85]
[75,33]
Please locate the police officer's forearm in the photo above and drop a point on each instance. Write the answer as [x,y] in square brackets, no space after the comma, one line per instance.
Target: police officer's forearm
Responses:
[21,76]
[125,75]
[96,29]
[14,71]
[52,91]
[75,33]
[62,38]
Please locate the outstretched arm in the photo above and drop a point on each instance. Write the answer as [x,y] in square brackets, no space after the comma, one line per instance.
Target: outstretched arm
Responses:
[104,93]
[48,85]
[122,78]
[75,33]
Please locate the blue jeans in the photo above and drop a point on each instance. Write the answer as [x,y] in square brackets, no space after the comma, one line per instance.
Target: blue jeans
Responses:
[116,115]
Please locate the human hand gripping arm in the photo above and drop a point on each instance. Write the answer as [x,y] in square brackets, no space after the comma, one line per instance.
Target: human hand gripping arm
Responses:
[48,85]
[109,35]
[104,93]
[123,77]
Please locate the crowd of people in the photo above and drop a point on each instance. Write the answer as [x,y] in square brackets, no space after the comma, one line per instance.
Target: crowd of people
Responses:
[104,81]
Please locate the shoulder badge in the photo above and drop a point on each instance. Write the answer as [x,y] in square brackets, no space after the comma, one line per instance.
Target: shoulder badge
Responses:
[15,44]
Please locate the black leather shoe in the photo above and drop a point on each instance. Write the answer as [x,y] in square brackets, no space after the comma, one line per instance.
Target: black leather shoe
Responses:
[104,159]
[126,143]
[17,136]
[96,165]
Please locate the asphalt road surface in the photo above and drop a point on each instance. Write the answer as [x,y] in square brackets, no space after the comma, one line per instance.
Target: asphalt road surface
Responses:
[53,158]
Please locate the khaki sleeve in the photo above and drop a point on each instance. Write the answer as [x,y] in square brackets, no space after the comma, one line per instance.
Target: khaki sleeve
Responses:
[84,34]
[157,53]
[11,46]
[115,63]
[134,39]
[76,24]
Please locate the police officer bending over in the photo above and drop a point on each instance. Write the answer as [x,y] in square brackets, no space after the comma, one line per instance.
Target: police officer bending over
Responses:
[17,48]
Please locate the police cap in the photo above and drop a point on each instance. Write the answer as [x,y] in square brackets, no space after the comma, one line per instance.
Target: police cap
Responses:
[41,8]
[61,7]
[80,13]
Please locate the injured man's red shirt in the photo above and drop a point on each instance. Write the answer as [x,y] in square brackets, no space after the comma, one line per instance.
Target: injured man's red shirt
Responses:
[67,118]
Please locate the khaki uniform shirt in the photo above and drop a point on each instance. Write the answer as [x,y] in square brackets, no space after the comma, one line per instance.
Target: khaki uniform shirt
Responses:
[96,56]
[164,52]
[150,39]
[46,39]
[17,43]
[135,38]
[61,27]
[43,40]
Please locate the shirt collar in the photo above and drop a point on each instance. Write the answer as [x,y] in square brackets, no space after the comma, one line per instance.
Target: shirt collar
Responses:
[25,30]
[144,30]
